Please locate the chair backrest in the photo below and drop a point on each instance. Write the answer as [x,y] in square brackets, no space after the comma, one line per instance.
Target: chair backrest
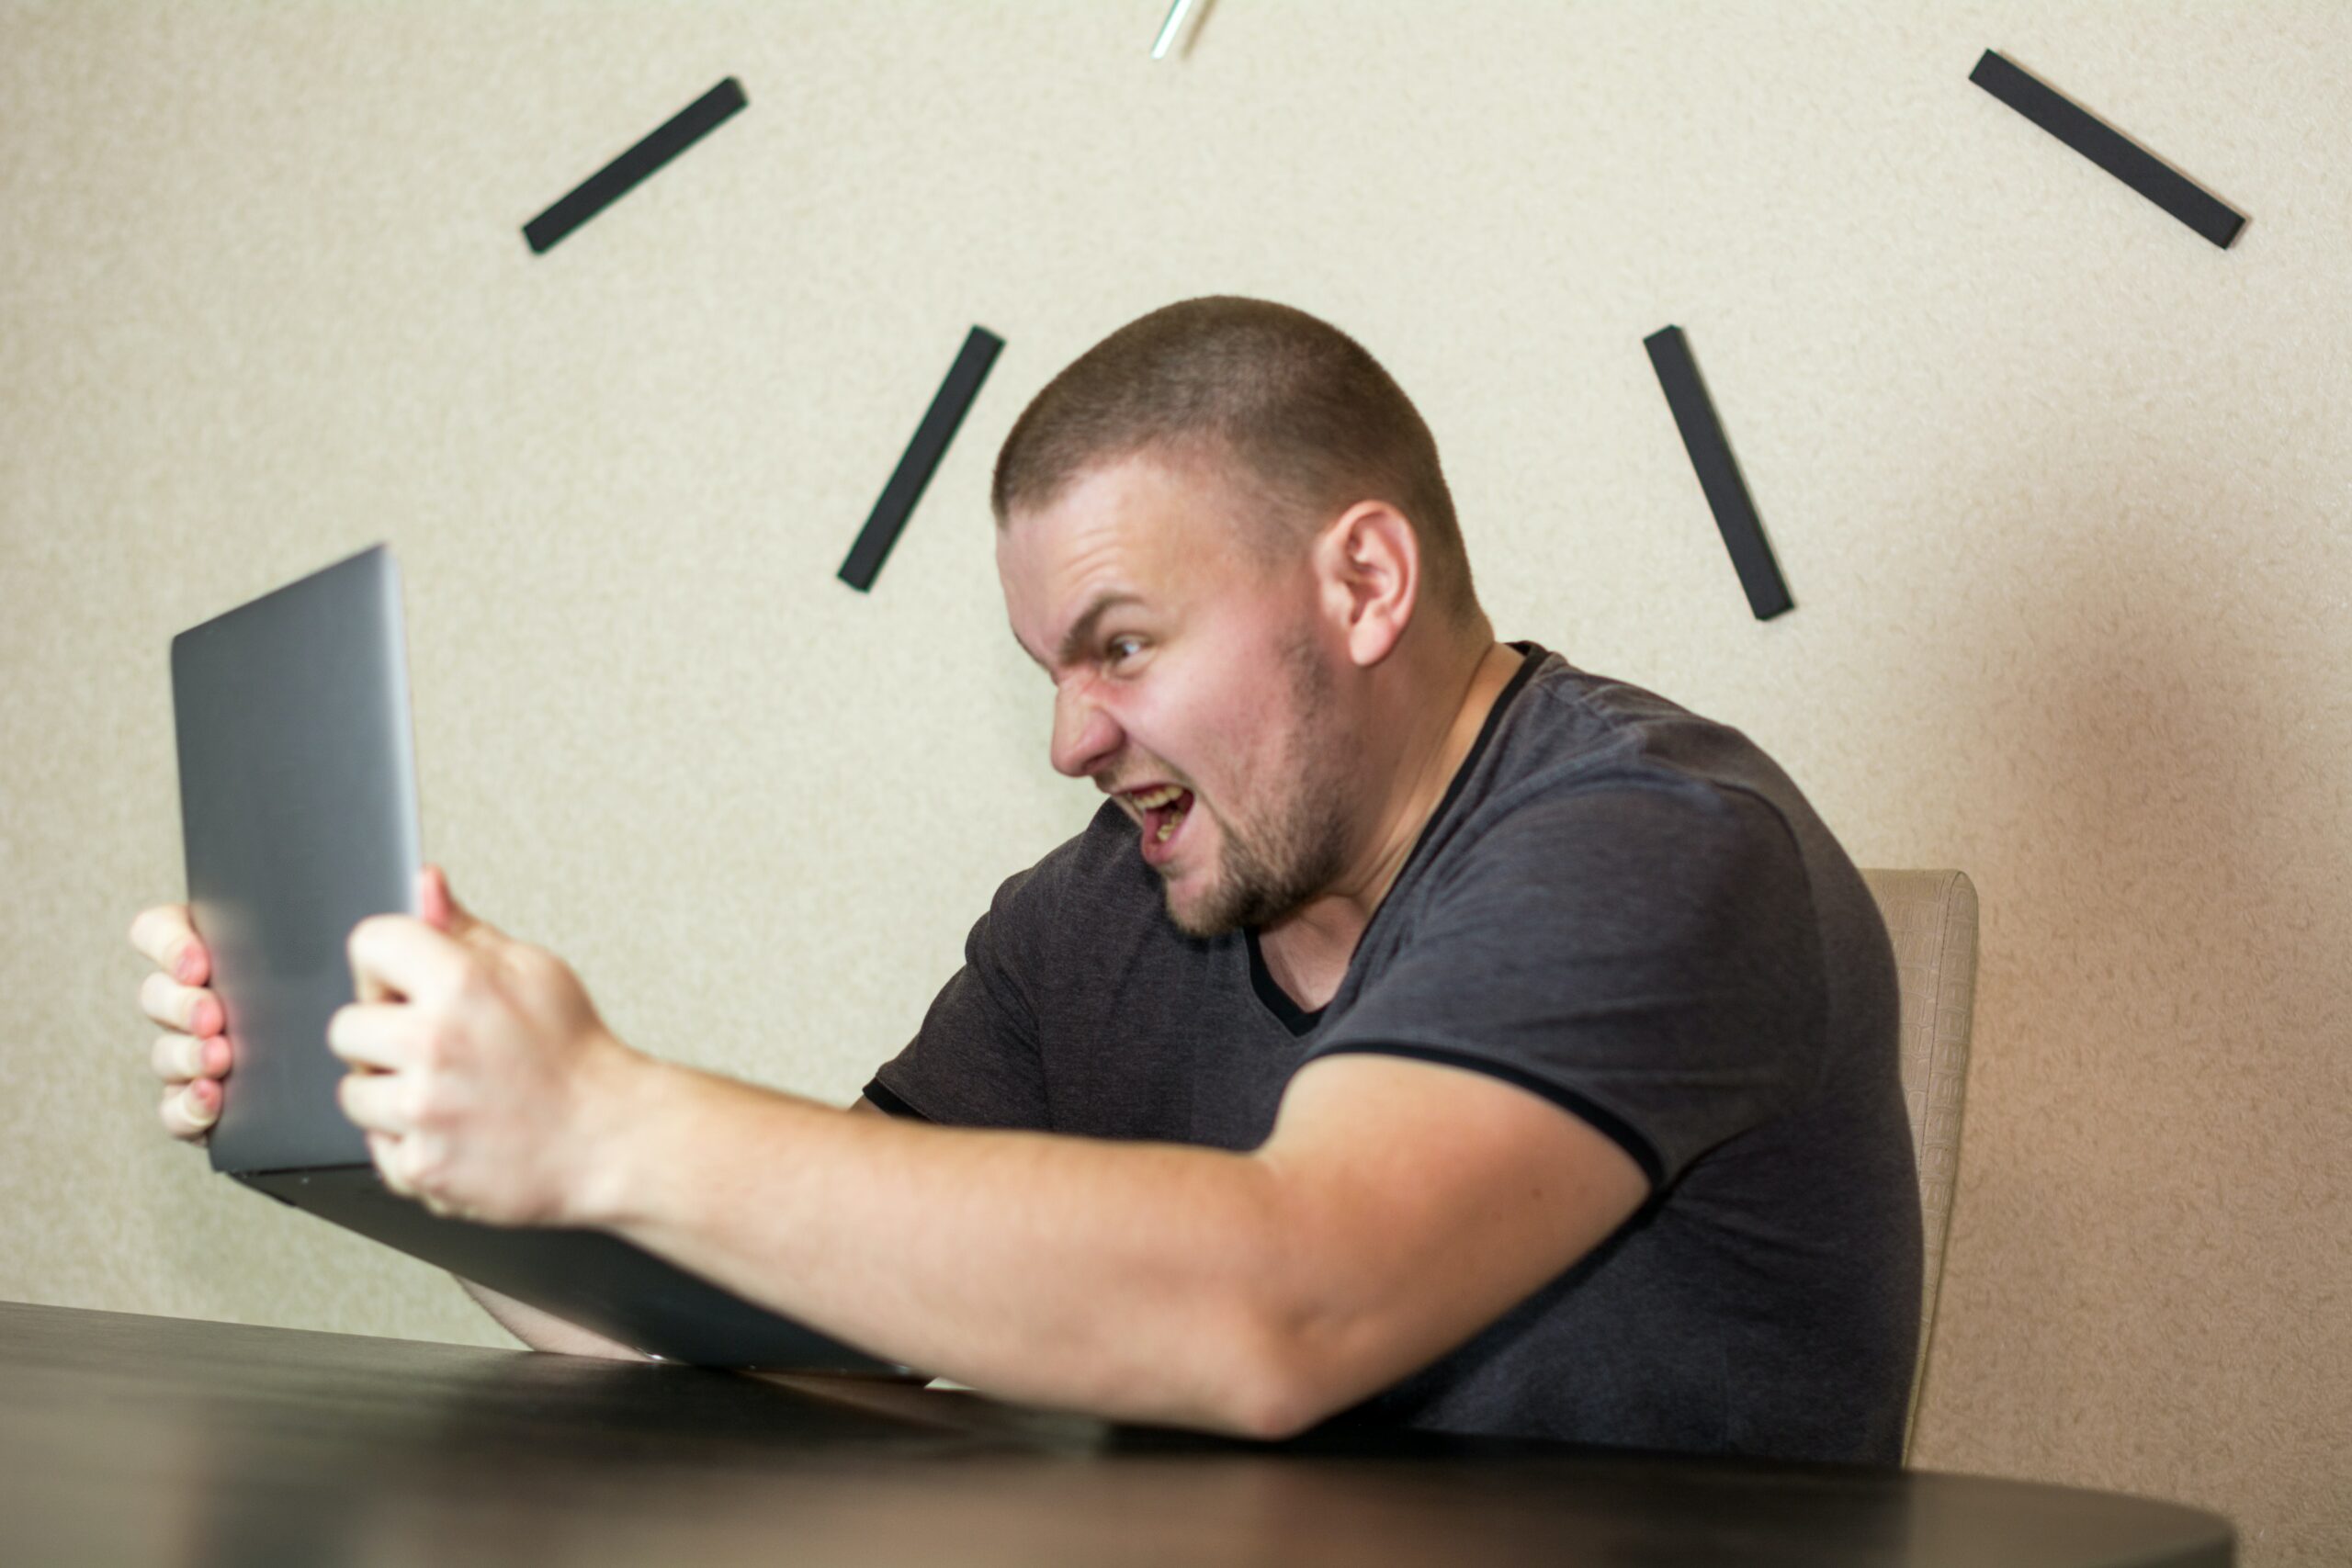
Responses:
[1931,918]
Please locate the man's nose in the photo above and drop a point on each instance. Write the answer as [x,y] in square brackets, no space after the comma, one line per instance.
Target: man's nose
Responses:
[1085,738]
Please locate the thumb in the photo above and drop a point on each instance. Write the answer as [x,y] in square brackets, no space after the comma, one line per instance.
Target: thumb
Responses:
[438,908]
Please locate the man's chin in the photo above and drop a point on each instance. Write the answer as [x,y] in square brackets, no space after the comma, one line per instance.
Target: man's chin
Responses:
[1202,915]
[1201,924]
[1220,910]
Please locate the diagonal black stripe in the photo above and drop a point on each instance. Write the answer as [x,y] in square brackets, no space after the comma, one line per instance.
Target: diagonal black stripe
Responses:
[615,179]
[884,1100]
[1703,437]
[2109,149]
[922,454]
[1590,1111]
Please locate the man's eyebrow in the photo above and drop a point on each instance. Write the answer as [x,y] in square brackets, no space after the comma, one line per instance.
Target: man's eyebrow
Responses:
[1082,631]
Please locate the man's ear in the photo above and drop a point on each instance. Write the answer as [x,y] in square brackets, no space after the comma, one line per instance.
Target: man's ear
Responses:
[1368,570]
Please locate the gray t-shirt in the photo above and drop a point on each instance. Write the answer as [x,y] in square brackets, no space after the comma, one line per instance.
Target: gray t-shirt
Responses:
[1621,905]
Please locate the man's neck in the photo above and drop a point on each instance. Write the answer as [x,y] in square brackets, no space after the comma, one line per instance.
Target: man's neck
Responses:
[1308,950]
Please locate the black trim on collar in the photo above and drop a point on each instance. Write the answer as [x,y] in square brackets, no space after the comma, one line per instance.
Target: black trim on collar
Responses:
[1288,1013]
[1297,1020]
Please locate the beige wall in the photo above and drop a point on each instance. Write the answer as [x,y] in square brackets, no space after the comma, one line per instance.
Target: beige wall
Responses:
[2061,491]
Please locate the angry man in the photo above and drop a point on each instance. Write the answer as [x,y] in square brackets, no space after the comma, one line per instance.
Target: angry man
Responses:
[1425,1033]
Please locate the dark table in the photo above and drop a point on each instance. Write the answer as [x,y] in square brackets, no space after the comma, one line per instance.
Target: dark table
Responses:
[127,1439]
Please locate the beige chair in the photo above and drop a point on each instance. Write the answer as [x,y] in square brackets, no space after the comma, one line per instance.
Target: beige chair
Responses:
[1931,915]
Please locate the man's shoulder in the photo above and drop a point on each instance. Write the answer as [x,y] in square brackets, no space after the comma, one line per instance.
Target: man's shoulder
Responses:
[1092,876]
[1578,725]
[1593,781]
[1103,848]
[1575,741]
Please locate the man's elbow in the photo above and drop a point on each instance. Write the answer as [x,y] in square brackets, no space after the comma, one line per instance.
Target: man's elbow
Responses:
[1271,1413]
[1273,1386]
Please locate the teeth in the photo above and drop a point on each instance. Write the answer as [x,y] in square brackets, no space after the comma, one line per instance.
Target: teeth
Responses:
[1165,829]
[1158,797]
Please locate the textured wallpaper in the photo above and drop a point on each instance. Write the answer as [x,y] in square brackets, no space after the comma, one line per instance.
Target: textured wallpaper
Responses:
[2060,489]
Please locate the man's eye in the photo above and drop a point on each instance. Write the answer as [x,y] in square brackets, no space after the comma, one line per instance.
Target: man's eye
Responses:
[1120,648]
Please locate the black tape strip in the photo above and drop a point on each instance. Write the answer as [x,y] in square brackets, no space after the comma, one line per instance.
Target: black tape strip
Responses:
[922,454]
[2109,149]
[1703,437]
[615,179]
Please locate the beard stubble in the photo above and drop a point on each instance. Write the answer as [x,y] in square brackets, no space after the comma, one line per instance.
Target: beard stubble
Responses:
[1273,868]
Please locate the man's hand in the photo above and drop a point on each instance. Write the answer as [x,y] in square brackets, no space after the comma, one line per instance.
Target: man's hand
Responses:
[481,1074]
[192,1054]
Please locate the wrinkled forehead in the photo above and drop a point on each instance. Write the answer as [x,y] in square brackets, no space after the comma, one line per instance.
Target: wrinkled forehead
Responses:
[1160,532]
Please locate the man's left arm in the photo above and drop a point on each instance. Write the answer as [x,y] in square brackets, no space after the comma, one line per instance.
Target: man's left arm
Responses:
[1397,1208]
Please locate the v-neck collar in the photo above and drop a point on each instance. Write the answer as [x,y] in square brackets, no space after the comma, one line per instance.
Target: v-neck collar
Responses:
[1297,1020]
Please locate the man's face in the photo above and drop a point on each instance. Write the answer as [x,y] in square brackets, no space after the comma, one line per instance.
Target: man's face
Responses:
[1181,660]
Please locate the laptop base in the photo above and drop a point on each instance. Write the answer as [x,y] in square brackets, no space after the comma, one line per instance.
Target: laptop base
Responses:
[589,1278]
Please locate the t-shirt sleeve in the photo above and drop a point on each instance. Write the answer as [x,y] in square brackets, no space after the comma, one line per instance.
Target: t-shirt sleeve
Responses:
[975,1062]
[1644,957]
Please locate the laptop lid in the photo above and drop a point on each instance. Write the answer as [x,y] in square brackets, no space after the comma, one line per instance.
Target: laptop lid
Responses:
[298,807]
[298,802]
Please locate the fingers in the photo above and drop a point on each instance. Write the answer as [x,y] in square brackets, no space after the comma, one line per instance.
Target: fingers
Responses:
[377,1103]
[405,1163]
[382,1150]
[192,1058]
[434,905]
[373,1036]
[386,1152]
[188,1009]
[394,955]
[188,1111]
[177,1059]
[439,907]
[191,1070]
[164,934]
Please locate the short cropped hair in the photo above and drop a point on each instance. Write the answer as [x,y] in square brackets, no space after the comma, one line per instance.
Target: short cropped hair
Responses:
[1310,420]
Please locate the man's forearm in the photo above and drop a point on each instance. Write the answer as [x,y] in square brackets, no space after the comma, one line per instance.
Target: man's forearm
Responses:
[544,1331]
[1130,1280]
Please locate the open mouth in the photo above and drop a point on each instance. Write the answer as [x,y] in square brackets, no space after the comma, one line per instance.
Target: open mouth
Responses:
[1164,811]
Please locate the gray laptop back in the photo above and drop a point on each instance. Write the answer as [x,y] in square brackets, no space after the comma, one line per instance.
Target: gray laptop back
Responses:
[297,799]
[298,805]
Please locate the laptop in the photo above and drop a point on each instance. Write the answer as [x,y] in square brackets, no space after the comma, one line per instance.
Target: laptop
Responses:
[298,808]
